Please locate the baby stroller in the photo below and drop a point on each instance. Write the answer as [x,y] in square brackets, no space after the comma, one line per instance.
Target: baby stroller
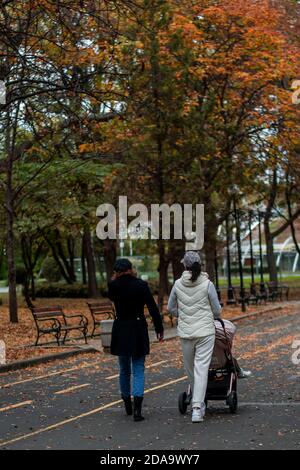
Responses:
[222,374]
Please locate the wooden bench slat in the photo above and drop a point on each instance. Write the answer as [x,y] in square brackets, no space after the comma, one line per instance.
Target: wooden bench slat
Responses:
[48,315]
[100,306]
[99,309]
[46,309]
[104,310]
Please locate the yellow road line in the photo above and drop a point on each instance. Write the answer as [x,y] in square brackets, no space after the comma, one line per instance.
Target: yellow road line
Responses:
[84,415]
[17,405]
[147,367]
[51,374]
[61,372]
[171,382]
[71,389]
[155,364]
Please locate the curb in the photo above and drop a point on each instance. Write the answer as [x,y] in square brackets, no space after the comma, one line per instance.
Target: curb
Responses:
[255,314]
[74,352]
[43,359]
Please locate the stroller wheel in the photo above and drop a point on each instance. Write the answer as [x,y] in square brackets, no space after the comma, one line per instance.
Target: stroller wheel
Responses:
[182,403]
[232,401]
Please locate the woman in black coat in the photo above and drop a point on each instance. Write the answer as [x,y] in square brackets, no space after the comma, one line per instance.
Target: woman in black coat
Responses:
[130,339]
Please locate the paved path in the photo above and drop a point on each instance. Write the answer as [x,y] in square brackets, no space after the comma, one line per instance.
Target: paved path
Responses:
[75,404]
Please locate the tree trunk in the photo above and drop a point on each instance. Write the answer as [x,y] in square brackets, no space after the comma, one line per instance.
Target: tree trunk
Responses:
[289,206]
[10,240]
[272,268]
[177,248]
[110,256]
[26,247]
[30,260]
[27,293]
[66,263]
[32,286]
[163,274]
[210,239]
[269,237]
[71,252]
[57,259]
[209,249]
[91,266]
[83,267]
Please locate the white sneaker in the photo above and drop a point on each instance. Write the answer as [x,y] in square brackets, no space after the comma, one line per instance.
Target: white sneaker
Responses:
[197,416]
[244,374]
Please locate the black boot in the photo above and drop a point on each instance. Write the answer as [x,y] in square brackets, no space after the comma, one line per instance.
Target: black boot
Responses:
[137,412]
[128,405]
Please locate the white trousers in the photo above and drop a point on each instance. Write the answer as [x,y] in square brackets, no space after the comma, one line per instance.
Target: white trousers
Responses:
[197,354]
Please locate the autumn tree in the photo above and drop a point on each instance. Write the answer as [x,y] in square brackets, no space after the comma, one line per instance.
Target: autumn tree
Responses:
[50,54]
[205,106]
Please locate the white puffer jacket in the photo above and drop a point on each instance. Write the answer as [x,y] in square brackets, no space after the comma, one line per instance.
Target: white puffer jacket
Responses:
[195,315]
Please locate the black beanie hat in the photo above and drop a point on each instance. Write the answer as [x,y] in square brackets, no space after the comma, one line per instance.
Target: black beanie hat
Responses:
[122,265]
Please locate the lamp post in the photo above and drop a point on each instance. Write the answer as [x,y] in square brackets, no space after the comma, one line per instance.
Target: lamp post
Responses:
[251,246]
[252,288]
[230,294]
[238,240]
[262,282]
[217,279]
[122,244]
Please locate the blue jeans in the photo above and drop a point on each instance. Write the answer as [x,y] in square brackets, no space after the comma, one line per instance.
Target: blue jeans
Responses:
[138,370]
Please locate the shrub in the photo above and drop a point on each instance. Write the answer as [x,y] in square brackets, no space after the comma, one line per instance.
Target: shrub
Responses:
[72,291]
[50,271]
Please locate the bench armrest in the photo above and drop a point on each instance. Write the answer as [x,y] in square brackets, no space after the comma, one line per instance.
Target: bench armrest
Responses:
[56,322]
[110,313]
[78,315]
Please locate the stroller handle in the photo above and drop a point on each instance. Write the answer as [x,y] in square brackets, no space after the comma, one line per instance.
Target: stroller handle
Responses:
[222,323]
[229,353]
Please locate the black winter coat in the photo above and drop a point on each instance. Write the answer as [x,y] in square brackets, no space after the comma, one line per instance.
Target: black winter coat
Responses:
[130,330]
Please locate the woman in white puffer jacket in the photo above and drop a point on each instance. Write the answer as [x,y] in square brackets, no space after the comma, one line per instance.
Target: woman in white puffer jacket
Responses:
[195,301]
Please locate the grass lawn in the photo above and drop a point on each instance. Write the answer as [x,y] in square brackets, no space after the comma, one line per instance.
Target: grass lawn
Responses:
[290,280]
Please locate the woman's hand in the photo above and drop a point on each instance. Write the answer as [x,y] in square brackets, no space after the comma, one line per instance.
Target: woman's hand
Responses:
[160,336]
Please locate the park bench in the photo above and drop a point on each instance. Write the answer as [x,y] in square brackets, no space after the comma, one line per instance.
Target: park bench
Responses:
[273,291]
[237,295]
[277,291]
[53,320]
[284,290]
[254,295]
[98,311]
[257,293]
